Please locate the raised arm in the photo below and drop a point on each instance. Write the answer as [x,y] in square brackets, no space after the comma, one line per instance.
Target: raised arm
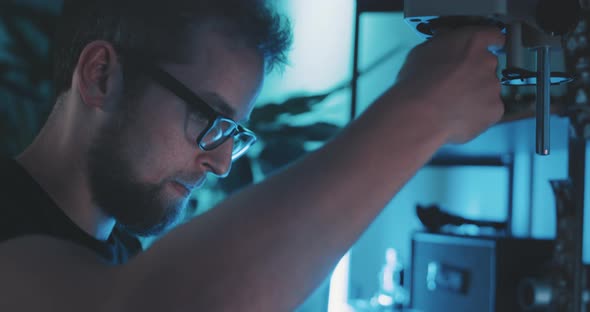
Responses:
[267,247]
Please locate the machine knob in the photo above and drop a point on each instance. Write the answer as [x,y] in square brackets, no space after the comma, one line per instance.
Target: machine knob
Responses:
[535,294]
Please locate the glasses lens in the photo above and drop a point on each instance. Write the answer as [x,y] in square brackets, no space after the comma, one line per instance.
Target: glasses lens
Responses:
[221,130]
[217,134]
[242,141]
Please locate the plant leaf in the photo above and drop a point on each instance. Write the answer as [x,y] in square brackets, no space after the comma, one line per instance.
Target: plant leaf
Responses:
[320,131]
[270,113]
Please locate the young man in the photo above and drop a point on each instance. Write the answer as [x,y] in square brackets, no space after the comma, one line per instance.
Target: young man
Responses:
[150,100]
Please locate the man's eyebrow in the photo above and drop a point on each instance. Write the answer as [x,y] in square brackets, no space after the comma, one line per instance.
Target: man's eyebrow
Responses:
[218,103]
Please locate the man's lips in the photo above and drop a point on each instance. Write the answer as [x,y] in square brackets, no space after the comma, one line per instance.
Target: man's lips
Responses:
[186,188]
[181,188]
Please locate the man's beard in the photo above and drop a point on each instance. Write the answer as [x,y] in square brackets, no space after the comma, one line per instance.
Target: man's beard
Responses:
[139,207]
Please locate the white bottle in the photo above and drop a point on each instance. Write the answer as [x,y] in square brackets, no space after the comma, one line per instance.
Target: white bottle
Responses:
[391,294]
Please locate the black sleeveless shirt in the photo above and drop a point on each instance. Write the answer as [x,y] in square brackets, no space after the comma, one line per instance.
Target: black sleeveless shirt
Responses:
[26,209]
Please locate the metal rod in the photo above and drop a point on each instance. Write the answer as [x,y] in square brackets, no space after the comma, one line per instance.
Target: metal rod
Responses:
[510,213]
[543,99]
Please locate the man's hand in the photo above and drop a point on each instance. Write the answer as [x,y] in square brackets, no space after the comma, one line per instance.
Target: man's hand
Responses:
[455,75]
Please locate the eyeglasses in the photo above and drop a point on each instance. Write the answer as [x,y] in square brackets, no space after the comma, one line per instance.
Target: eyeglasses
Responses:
[219,128]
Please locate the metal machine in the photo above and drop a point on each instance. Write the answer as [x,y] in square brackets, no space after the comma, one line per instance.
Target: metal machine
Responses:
[542,27]
[530,25]
[540,33]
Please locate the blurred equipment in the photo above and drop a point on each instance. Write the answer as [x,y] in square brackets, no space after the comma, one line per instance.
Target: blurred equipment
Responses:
[563,283]
[458,273]
[391,295]
[550,290]
[452,272]
[530,25]
[435,219]
[558,281]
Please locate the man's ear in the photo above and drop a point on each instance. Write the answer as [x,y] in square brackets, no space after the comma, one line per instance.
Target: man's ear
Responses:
[98,75]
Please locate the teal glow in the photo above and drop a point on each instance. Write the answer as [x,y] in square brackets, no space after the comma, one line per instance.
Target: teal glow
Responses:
[321,53]
[475,192]
[320,59]
[521,225]
[338,293]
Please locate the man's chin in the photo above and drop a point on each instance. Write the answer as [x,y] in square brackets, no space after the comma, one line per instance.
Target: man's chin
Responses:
[166,222]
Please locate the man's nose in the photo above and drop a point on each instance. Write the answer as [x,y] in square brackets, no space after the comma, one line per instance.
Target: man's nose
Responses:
[219,160]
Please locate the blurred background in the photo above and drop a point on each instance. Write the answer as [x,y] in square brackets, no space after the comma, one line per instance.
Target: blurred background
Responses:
[497,178]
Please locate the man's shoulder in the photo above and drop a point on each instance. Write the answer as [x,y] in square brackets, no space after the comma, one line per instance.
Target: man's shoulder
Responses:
[14,193]
[45,268]
[34,246]
[19,195]
[27,209]
[15,182]
[10,170]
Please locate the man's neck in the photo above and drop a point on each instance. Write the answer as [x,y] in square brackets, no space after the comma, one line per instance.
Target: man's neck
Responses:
[62,174]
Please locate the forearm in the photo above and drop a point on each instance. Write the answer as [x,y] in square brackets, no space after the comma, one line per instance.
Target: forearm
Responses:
[267,247]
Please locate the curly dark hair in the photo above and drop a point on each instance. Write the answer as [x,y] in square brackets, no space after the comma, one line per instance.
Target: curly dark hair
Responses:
[159,30]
